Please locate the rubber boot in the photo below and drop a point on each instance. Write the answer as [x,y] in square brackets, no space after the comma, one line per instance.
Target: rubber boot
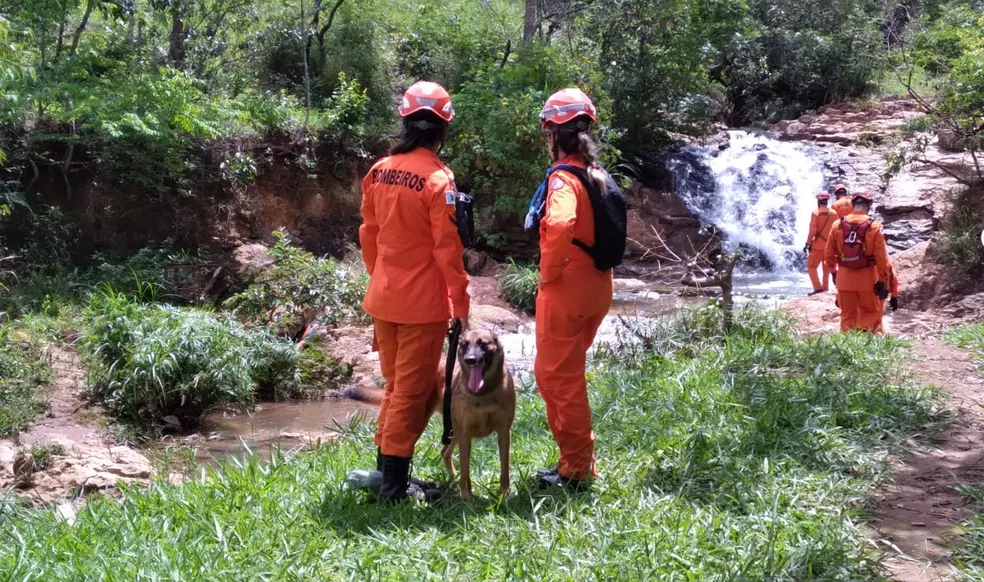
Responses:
[419,482]
[397,485]
[552,477]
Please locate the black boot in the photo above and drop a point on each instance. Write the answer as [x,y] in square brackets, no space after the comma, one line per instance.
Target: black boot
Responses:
[552,477]
[397,485]
[419,482]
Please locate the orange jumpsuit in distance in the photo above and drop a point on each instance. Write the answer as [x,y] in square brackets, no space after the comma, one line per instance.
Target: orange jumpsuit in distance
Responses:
[893,292]
[842,206]
[412,250]
[573,299]
[860,307]
[821,223]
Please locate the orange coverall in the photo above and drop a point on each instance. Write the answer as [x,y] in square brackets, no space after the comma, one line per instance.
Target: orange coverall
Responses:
[413,253]
[860,307]
[821,225]
[573,299]
[843,206]
[893,290]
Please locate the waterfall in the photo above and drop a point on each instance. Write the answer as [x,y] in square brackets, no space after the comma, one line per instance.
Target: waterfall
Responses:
[758,191]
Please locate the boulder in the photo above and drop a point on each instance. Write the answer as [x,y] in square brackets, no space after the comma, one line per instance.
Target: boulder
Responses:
[251,259]
[476,261]
[494,318]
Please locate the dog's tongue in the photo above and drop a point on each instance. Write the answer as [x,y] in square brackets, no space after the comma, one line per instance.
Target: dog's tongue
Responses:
[475,381]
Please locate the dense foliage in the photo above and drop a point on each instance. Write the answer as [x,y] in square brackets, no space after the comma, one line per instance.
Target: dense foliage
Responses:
[725,457]
[147,361]
[135,90]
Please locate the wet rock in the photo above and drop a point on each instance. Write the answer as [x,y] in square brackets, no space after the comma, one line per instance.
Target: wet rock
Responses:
[660,221]
[902,235]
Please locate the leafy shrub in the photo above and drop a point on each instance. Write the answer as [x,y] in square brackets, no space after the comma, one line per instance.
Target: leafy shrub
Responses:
[43,453]
[157,360]
[917,124]
[23,372]
[320,373]
[301,285]
[518,284]
[960,246]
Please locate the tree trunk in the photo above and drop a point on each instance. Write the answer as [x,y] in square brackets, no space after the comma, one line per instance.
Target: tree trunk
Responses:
[530,21]
[176,51]
[85,20]
[131,38]
[61,29]
[307,72]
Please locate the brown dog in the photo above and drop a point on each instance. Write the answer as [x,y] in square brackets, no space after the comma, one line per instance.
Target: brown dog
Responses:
[483,401]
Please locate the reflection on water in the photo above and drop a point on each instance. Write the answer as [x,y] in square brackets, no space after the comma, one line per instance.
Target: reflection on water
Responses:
[277,424]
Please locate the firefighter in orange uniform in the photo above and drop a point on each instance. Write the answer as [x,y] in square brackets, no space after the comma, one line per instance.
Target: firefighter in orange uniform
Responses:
[413,253]
[821,224]
[574,296]
[857,247]
[842,204]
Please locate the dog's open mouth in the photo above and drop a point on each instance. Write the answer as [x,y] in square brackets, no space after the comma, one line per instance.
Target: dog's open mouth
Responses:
[476,380]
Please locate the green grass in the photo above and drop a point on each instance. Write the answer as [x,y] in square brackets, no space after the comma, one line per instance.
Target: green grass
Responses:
[969,554]
[23,374]
[969,338]
[518,284]
[746,457]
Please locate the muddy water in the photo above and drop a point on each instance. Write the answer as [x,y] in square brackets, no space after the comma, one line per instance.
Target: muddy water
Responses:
[292,424]
[275,424]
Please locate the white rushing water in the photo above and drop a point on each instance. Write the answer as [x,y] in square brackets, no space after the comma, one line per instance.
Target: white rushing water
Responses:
[759,192]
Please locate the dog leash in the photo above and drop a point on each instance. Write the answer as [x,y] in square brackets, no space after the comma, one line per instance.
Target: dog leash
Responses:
[453,334]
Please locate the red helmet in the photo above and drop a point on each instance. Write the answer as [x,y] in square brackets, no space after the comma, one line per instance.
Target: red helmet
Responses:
[862,196]
[823,196]
[840,187]
[424,95]
[565,105]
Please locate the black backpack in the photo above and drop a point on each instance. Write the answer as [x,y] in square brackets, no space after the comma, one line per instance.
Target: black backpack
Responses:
[610,219]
